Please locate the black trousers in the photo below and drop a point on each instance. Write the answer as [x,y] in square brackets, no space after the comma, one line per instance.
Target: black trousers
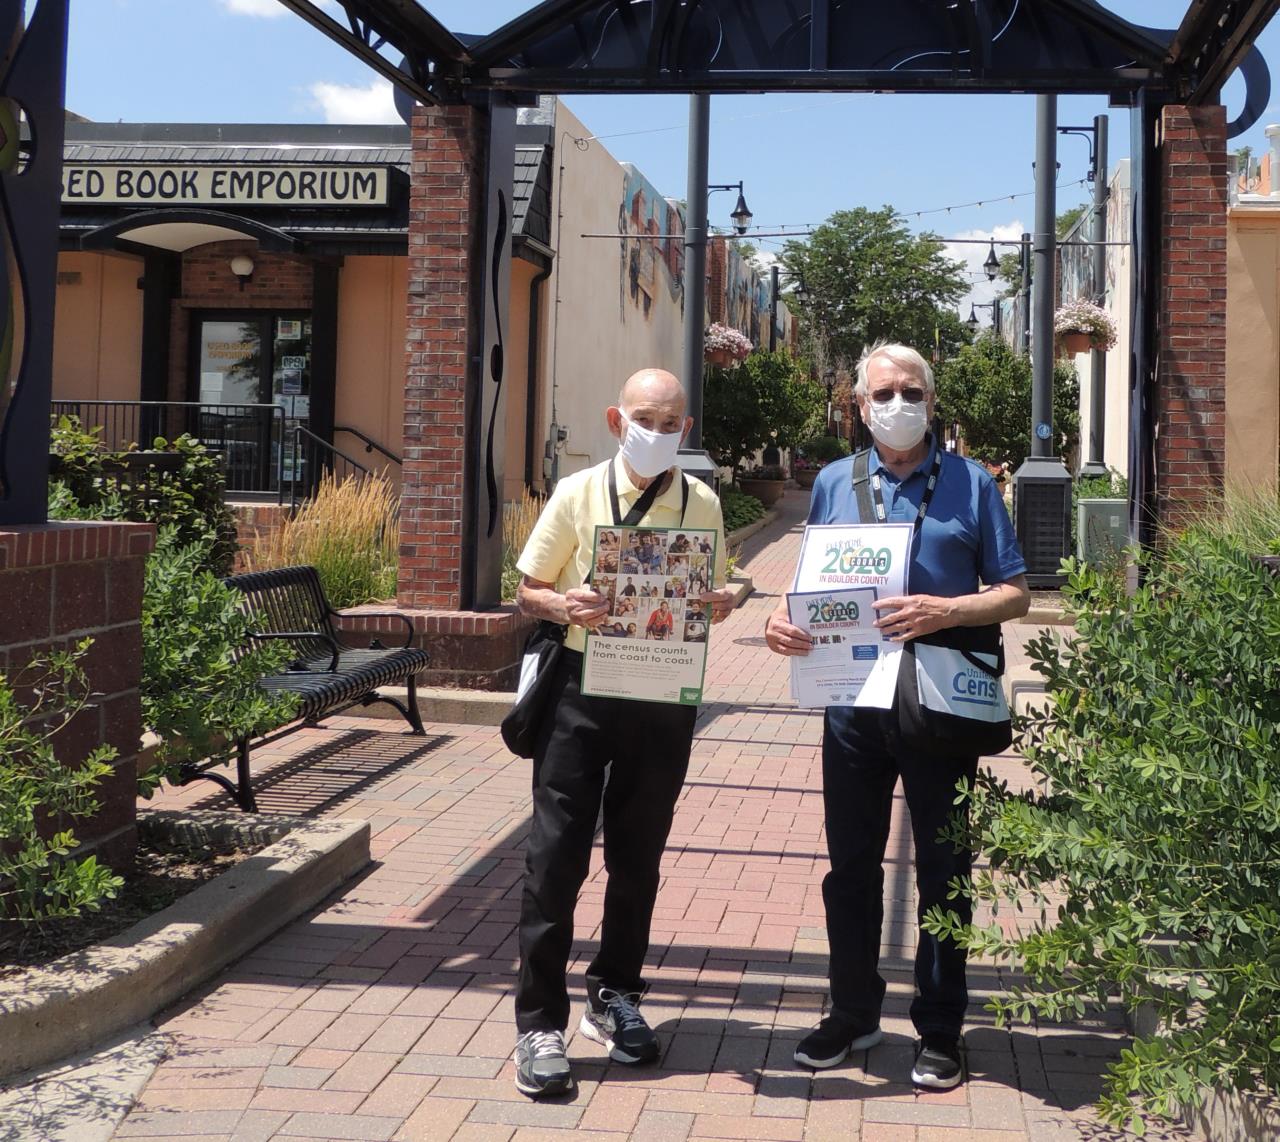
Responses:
[861,762]
[648,744]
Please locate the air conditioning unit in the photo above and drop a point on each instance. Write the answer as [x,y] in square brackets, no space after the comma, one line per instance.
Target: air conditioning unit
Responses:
[1102,530]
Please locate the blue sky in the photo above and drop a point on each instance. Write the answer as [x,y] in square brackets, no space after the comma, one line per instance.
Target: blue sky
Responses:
[801,156]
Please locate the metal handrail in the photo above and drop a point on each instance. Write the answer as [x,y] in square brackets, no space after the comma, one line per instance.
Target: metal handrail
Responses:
[370,445]
[317,444]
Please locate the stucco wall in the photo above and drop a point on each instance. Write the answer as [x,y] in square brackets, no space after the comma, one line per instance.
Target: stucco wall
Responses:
[1115,443]
[614,305]
[97,328]
[1253,346]
[516,380]
[371,356]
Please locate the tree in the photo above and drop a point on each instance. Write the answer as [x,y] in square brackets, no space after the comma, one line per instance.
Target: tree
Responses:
[742,408]
[1069,218]
[868,277]
[986,387]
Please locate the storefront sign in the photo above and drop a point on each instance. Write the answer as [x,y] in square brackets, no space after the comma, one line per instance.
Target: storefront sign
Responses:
[237,185]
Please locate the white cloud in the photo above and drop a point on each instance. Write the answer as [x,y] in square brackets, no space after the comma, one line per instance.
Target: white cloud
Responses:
[345,103]
[973,254]
[268,8]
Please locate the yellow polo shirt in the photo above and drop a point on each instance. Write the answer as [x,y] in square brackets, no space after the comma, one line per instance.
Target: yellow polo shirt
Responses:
[560,545]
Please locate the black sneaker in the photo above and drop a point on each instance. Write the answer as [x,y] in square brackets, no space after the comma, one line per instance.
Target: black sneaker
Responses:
[541,1066]
[937,1064]
[830,1042]
[618,1025]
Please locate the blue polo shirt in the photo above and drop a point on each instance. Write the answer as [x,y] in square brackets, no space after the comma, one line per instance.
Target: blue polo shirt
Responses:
[966,537]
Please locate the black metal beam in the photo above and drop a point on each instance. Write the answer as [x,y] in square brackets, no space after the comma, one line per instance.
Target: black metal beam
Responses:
[603,81]
[1212,41]
[1146,51]
[428,48]
[547,18]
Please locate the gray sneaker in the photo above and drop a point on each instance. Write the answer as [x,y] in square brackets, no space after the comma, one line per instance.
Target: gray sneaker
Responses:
[615,1022]
[541,1066]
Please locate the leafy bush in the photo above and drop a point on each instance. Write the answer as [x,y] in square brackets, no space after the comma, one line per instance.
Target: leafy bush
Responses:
[1155,821]
[986,387]
[93,483]
[199,683]
[38,878]
[349,531]
[820,450]
[518,518]
[768,399]
[739,509]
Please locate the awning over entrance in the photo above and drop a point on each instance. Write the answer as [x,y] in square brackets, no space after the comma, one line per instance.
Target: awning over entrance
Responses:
[179,230]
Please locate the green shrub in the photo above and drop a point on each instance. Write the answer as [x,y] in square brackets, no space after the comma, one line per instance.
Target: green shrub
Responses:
[199,684]
[93,483]
[768,399]
[739,508]
[38,878]
[1155,820]
[819,450]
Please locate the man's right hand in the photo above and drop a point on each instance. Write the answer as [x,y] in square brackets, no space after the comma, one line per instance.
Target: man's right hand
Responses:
[783,638]
[585,606]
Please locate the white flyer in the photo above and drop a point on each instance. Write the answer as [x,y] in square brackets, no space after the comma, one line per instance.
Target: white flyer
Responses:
[845,556]
[839,556]
[846,645]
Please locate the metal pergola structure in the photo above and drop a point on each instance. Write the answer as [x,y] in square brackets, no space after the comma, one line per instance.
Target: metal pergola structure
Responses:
[693,46]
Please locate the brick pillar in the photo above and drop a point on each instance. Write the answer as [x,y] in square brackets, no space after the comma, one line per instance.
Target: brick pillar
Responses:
[445,200]
[1191,375]
[62,582]
[717,292]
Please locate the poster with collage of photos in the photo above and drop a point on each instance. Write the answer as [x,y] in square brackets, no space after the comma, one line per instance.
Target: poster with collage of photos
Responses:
[652,647]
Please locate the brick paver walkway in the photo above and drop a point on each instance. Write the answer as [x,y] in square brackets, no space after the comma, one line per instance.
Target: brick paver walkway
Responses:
[387,1014]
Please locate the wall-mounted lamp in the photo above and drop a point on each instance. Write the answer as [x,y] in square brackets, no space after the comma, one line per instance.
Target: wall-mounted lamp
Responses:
[242,267]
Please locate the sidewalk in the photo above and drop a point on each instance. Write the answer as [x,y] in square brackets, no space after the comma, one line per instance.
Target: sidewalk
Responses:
[387,1015]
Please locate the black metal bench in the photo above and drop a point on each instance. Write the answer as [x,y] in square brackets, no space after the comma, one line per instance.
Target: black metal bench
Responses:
[289,605]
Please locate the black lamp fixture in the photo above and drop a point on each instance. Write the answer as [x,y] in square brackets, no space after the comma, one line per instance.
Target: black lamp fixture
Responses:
[972,320]
[741,214]
[992,264]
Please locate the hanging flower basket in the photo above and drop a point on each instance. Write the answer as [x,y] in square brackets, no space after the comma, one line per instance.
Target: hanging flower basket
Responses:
[724,346]
[1080,326]
[1069,344]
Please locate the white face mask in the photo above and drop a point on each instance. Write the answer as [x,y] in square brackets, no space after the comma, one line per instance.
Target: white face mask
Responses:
[649,453]
[899,424]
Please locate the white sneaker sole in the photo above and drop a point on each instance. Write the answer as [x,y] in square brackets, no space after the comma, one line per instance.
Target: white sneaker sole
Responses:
[544,1091]
[933,1082]
[861,1043]
[616,1053]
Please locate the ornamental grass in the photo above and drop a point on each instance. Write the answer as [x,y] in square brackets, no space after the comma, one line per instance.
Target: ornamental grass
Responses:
[349,531]
[518,518]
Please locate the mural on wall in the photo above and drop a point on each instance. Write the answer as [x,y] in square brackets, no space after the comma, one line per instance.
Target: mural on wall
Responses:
[655,262]
[747,301]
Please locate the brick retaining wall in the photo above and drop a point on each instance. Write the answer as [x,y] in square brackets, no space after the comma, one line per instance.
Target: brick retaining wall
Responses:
[62,582]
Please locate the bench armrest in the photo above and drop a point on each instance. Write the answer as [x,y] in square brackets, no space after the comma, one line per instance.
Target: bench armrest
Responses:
[294,634]
[374,644]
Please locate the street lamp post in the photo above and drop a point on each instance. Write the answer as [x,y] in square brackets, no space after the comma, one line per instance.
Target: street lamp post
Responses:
[972,320]
[693,458]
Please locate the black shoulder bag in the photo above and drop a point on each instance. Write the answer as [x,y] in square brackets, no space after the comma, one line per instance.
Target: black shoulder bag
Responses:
[949,699]
[543,648]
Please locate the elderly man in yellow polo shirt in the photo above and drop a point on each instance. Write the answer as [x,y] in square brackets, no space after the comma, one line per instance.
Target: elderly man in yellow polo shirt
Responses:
[647,743]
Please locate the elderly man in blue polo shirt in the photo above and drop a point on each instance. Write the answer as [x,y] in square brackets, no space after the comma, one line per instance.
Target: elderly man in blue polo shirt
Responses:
[966,570]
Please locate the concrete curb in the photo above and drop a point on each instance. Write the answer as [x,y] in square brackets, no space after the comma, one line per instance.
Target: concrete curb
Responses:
[737,538]
[477,707]
[81,999]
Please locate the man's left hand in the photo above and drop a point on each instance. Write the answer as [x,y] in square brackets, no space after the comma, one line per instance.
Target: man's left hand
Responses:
[721,603]
[911,616]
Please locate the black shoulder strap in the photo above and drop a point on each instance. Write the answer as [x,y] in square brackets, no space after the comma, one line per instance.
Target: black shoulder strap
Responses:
[645,502]
[862,486]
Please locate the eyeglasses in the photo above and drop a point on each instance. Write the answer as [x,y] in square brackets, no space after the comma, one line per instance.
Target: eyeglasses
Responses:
[911,395]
